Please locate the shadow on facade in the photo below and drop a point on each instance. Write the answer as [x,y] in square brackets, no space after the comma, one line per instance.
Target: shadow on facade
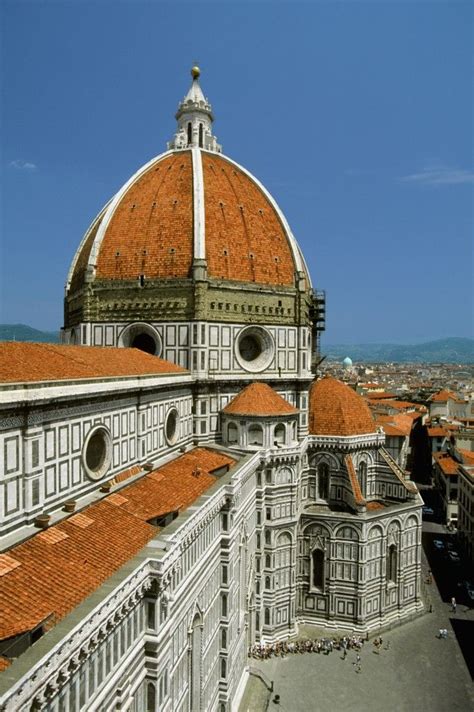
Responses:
[464,631]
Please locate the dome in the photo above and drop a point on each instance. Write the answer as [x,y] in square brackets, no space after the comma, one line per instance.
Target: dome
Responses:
[347,363]
[261,400]
[335,409]
[183,206]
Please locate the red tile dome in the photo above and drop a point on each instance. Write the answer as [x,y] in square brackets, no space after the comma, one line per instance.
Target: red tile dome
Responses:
[183,205]
[336,409]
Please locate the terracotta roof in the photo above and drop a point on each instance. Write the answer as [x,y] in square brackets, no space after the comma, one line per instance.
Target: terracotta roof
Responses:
[259,399]
[446,463]
[380,396]
[151,231]
[355,486]
[245,239]
[443,396]
[398,424]
[27,362]
[375,505]
[4,663]
[401,405]
[467,456]
[51,573]
[437,432]
[335,409]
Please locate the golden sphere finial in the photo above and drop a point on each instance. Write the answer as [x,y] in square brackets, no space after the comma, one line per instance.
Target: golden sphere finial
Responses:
[195,71]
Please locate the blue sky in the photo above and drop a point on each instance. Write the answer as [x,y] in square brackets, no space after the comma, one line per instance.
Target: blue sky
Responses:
[357,116]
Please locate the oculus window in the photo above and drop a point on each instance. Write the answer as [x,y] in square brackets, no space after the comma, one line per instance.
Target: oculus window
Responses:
[97,453]
[254,348]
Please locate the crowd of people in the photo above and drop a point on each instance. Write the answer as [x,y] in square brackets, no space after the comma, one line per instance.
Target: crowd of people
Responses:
[263,651]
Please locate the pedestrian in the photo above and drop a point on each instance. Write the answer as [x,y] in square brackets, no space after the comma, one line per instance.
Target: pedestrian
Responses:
[453,604]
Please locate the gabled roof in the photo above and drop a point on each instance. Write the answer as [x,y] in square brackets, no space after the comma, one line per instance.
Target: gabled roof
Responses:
[259,399]
[336,409]
[48,575]
[22,362]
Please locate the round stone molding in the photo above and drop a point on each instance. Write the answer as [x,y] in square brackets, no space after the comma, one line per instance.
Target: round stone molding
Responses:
[97,452]
[143,336]
[254,348]
[171,426]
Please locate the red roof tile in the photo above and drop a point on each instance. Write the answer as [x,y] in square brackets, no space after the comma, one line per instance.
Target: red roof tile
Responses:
[443,396]
[51,573]
[336,409]
[27,362]
[150,231]
[259,399]
[356,491]
[446,463]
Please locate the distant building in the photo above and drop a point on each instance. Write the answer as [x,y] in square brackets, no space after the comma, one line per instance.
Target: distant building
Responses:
[466,508]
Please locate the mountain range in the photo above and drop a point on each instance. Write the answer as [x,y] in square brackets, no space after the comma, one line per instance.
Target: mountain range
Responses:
[450,350]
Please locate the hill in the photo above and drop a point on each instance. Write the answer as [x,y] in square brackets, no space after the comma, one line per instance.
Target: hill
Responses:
[21,332]
[450,350]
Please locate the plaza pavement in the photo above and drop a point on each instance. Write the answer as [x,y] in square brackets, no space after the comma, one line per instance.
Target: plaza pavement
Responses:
[418,673]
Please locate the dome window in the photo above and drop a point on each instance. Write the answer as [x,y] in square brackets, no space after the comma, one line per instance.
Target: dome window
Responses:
[255,435]
[97,453]
[141,336]
[232,433]
[254,348]
[279,435]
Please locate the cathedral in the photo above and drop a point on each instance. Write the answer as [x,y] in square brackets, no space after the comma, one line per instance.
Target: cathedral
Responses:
[176,482]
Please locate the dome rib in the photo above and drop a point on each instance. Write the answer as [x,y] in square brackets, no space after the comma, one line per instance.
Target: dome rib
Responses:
[335,409]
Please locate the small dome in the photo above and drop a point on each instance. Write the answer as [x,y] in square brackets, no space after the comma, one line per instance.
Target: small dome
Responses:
[335,409]
[259,399]
[347,363]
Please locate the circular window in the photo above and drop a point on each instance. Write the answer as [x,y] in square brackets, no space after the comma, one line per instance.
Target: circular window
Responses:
[254,348]
[171,426]
[141,336]
[144,342]
[97,453]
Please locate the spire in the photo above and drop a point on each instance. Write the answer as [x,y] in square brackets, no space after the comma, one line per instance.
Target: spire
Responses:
[194,117]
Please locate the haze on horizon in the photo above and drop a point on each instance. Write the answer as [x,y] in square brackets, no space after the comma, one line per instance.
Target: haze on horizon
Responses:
[357,117]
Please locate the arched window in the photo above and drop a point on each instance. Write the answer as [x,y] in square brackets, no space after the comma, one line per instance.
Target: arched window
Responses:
[150,697]
[232,433]
[317,568]
[266,616]
[196,656]
[323,480]
[267,582]
[392,563]
[363,478]
[190,133]
[200,136]
[279,435]
[255,435]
